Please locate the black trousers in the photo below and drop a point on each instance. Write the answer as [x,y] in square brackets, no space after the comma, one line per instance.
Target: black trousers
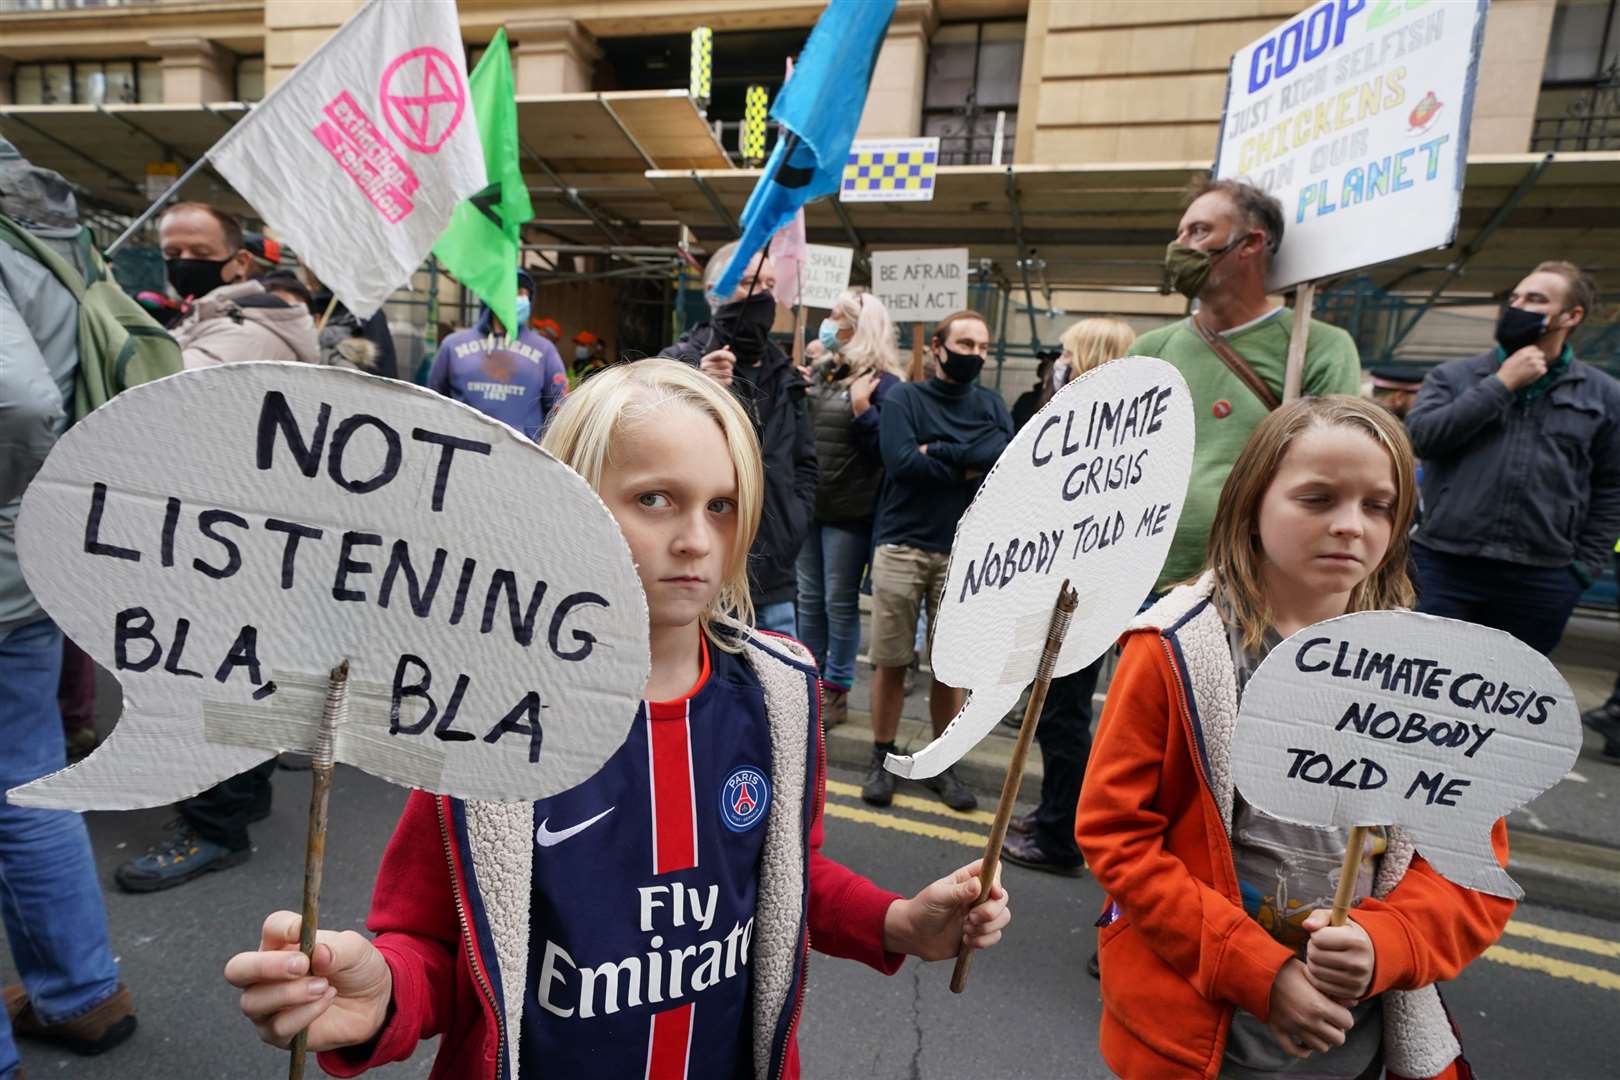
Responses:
[1064,736]
[221,814]
[1533,603]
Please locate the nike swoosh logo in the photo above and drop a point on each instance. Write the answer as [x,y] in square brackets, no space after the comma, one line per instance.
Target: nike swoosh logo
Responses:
[546,838]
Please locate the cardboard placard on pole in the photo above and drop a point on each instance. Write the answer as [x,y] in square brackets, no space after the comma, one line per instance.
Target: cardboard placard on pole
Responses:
[239,530]
[824,274]
[921,286]
[1401,719]
[1356,117]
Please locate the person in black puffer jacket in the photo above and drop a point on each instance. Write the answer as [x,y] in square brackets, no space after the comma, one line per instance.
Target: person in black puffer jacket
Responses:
[847,389]
[735,349]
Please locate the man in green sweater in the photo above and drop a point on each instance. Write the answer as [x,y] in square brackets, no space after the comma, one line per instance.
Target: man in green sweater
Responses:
[1220,257]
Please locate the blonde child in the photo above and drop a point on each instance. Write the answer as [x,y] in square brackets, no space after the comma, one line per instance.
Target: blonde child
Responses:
[655,921]
[1216,956]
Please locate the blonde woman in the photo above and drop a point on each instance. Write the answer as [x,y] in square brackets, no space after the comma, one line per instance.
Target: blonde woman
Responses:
[1044,838]
[1088,343]
[847,387]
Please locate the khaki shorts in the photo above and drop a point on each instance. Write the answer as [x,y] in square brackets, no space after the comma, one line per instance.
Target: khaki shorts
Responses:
[903,578]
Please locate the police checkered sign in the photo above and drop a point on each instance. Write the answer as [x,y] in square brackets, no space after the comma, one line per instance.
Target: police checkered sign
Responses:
[890,170]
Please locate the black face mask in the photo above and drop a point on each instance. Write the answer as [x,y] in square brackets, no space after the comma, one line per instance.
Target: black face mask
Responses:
[1517,328]
[960,367]
[745,325]
[193,278]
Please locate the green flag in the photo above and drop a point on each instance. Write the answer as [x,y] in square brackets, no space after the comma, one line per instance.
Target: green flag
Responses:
[480,247]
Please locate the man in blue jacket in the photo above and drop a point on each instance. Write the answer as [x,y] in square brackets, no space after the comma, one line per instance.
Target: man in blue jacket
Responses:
[939,437]
[1521,468]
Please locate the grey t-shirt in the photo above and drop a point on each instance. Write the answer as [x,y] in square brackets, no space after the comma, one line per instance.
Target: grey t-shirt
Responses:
[1286,871]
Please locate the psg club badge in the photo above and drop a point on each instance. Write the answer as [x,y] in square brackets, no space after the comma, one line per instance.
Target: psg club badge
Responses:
[744,798]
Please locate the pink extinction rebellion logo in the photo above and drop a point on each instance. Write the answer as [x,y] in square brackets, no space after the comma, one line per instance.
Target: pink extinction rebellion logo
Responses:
[364,153]
[423,98]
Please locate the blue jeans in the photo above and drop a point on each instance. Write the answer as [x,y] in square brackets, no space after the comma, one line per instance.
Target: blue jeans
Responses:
[49,897]
[830,567]
[777,618]
[1533,603]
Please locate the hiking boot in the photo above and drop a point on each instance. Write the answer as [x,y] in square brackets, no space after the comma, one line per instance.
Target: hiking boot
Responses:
[878,790]
[1022,850]
[834,706]
[89,1033]
[1021,824]
[174,860]
[951,791]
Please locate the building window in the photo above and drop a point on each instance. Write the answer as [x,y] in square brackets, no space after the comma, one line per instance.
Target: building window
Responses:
[1579,108]
[250,78]
[87,82]
[1585,43]
[973,75]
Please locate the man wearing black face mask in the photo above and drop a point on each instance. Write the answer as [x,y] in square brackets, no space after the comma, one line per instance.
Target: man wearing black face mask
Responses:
[735,349]
[1521,468]
[938,438]
[212,265]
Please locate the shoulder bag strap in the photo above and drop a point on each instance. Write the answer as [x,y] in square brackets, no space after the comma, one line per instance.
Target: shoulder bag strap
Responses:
[1236,364]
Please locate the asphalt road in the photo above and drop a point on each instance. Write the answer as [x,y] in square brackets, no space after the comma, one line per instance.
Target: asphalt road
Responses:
[1545,1004]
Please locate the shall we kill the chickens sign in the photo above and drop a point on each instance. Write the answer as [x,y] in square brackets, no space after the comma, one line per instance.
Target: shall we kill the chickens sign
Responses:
[1354,114]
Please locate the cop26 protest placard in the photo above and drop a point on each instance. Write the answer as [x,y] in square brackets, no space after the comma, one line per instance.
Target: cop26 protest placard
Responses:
[1089,492]
[221,539]
[1355,114]
[1398,718]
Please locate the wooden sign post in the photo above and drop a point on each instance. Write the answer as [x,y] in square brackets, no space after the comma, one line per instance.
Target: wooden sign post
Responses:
[919,352]
[1062,613]
[1293,376]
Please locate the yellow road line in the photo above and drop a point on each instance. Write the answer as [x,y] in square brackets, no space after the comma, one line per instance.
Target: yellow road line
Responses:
[923,806]
[1501,954]
[905,825]
[1560,969]
[1563,939]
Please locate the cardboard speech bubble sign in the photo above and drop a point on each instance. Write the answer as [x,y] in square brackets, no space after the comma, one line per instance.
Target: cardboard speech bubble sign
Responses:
[1398,718]
[1090,490]
[220,539]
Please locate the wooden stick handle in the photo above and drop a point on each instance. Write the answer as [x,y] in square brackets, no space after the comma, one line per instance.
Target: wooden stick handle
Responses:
[1345,894]
[320,795]
[1062,613]
[1294,372]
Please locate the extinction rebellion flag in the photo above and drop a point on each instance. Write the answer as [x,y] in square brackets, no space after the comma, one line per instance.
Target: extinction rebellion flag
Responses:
[359,158]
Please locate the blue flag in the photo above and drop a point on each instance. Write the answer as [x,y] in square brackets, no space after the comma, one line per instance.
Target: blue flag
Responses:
[819,109]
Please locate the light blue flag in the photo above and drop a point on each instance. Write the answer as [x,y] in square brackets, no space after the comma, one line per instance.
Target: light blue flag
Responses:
[819,109]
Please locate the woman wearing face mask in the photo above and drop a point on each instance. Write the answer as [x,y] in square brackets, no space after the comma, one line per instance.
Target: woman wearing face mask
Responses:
[858,368]
[735,349]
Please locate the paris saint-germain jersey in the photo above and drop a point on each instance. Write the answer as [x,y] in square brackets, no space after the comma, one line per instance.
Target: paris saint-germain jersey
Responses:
[644,884]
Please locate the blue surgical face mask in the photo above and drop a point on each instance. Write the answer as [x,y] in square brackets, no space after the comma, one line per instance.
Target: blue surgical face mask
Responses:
[523,310]
[829,335]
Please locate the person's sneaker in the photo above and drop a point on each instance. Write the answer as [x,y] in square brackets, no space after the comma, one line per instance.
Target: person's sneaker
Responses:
[834,706]
[1021,824]
[878,789]
[951,791]
[174,860]
[81,743]
[1092,969]
[1022,850]
[93,1032]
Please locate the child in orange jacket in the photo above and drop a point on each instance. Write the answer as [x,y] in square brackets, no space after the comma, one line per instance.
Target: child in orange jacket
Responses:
[1216,956]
